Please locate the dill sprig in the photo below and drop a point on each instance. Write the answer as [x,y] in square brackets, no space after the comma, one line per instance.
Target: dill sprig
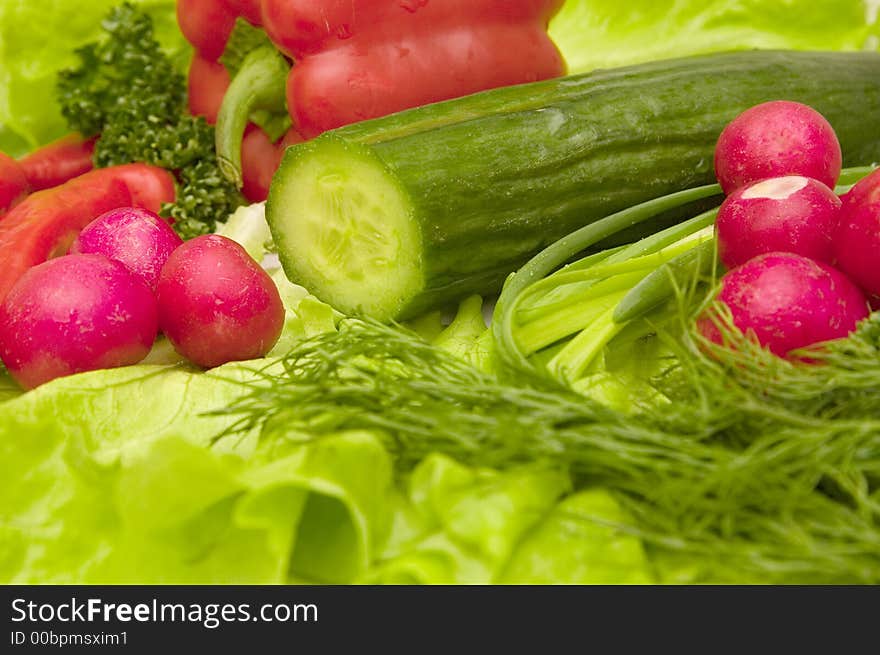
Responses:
[723,472]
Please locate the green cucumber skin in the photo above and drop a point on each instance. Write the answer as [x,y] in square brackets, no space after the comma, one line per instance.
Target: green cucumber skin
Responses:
[497,176]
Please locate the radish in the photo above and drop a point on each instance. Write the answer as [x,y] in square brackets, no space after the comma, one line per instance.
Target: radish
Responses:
[136,237]
[789,214]
[216,304]
[775,139]
[788,301]
[857,243]
[72,314]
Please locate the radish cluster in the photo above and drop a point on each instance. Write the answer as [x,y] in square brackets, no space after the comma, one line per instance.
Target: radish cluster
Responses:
[127,277]
[802,260]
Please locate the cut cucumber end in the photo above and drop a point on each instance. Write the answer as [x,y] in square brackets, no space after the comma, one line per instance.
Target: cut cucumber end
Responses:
[345,229]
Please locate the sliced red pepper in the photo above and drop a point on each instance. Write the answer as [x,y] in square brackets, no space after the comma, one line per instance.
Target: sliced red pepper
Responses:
[59,161]
[46,223]
[150,186]
[13,183]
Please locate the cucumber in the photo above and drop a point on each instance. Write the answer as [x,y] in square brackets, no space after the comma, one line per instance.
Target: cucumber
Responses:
[400,215]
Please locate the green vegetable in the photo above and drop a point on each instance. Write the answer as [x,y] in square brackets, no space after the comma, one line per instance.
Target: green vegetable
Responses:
[8,387]
[587,534]
[560,323]
[256,94]
[471,521]
[313,513]
[129,91]
[727,474]
[602,33]
[259,86]
[37,40]
[660,285]
[247,225]
[558,312]
[401,215]
[244,40]
[149,501]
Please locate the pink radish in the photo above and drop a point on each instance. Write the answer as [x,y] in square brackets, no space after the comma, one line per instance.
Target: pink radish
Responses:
[72,314]
[775,139]
[857,243]
[788,214]
[787,301]
[135,237]
[216,304]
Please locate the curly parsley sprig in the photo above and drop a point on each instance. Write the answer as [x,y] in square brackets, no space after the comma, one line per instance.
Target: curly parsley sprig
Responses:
[127,90]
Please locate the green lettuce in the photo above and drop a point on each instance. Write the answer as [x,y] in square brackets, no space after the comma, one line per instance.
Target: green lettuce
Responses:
[467,526]
[38,39]
[112,477]
[115,477]
[601,34]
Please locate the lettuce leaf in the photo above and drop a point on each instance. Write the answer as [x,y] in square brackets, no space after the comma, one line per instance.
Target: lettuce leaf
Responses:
[37,39]
[111,477]
[114,477]
[475,526]
[581,542]
[601,34]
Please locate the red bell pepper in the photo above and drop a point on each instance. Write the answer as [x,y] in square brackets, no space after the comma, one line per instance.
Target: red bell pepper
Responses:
[360,59]
[46,222]
[209,81]
[13,183]
[150,186]
[58,162]
[260,159]
[207,84]
[206,24]
[250,10]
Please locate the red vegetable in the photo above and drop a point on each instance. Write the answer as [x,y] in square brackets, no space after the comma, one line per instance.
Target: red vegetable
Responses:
[420,62]
[260,159]
[216,304]
[250,10]
[58,162]
[367,58]
[150,186]
[360,59]
[775,139]
[207,84]
[206,24]
[13,183]
[47,222]
[857,243]
[789,214]
[787,301]
[72,314]
[135,237]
